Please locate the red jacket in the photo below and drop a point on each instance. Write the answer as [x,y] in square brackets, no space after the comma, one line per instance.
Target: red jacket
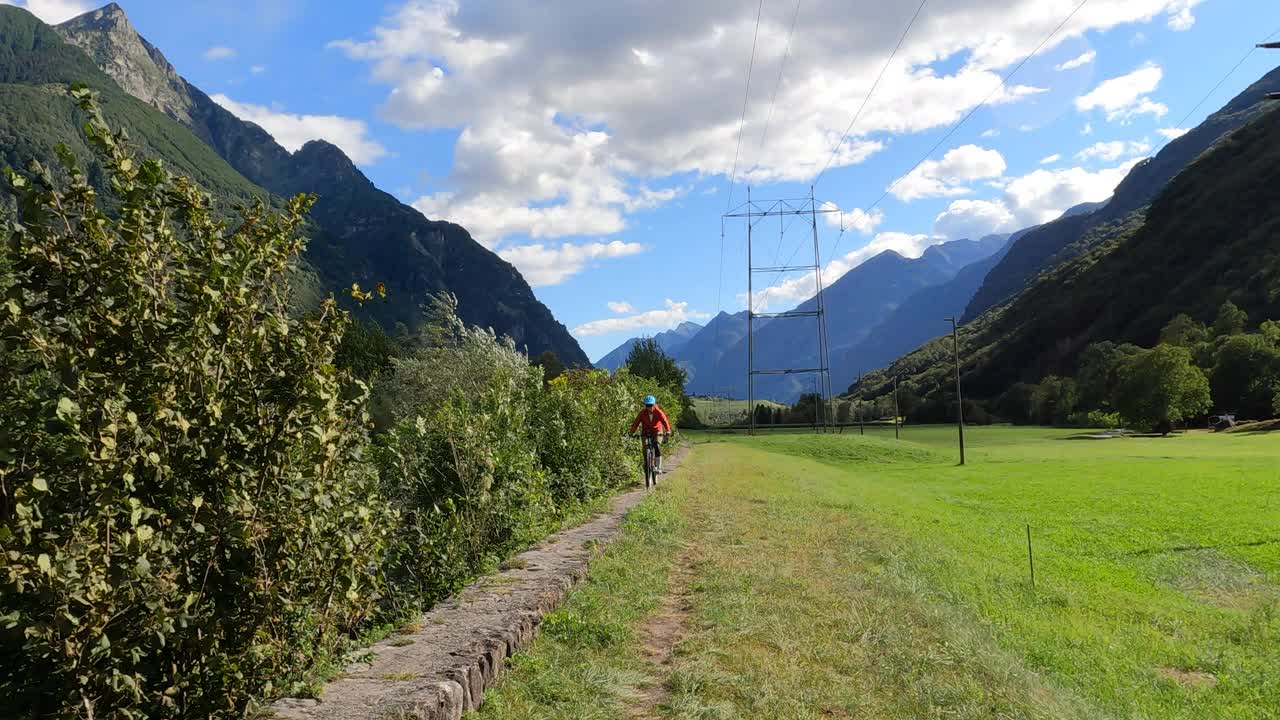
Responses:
[653,420]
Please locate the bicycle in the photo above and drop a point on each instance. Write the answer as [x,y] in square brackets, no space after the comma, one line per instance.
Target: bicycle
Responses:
[650,442]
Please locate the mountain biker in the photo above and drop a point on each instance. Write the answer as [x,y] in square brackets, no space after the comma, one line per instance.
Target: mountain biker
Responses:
[653,422]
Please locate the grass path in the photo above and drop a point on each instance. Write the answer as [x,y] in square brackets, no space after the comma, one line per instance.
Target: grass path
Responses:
[803,577]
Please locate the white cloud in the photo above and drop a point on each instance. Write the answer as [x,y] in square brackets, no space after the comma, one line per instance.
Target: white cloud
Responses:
[1037,197]
[669,317]
[1114,150]
[258,69]
[950,175]
[219,52]
[293,131]
[1126,96]
[621,308]
[1087,129]
[855,219]
[53,11]
[990,133]
[543,265]
[1172,133]
[1049,160]
[1180,16]
[1077,62]
[621,98]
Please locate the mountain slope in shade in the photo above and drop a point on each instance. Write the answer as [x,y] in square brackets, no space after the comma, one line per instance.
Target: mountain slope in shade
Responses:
[855,304]
[367,236]
[670,341]
[1054,243]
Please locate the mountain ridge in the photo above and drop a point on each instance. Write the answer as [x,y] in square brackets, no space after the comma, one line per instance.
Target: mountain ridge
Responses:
[669,340]
[368,236]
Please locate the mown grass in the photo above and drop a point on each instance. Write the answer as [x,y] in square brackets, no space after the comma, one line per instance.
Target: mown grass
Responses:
[844,576]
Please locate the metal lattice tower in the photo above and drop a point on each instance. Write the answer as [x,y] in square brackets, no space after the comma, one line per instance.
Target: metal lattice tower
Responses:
[806,210]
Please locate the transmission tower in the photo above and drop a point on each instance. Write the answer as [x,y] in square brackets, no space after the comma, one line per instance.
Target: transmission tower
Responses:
[802,210]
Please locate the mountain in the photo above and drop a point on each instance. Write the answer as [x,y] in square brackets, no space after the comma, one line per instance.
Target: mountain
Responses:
[923,315]
[855,304]
[1066,238]
[362,234]
[670,341]
[702,353]
[1212,235]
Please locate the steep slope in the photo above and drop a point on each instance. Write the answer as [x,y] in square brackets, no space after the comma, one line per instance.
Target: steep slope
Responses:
[1059,241]
[1212,235]
[702,354]
[856,303]
[367,235]
[670,341]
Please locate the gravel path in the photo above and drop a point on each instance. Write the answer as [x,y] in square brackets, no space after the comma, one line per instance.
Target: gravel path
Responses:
[439,668]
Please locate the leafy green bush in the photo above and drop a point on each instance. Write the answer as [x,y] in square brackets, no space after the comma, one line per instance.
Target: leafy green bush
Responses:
[184,516]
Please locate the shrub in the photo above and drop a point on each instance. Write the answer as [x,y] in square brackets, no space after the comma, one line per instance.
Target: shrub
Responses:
[183,512]
[1159,387]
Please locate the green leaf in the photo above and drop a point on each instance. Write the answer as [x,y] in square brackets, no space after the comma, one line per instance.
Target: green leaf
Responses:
[67,408]
[42,562]
[40,484]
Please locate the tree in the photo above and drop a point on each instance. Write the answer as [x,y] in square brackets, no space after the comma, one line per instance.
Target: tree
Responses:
[551,366]
[1015,404]
[1231,320]
[1245,369]
[1184,331]
[648,360]
[1099,372]
[1053,400]
[1159,387]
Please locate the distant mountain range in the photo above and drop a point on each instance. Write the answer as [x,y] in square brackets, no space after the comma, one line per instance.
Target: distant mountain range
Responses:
[670,341]
[358,233]
[716,358]
[1210,234]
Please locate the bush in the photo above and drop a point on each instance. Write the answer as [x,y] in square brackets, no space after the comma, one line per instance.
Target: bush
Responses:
[184,515]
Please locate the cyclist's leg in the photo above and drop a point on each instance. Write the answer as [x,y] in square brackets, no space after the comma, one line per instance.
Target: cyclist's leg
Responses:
[657,454]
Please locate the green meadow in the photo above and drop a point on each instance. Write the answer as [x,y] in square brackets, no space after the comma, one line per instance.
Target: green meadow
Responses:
[859,576]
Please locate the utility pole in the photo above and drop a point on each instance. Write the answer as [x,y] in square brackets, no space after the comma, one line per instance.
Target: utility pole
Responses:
[955,344]
[896,414]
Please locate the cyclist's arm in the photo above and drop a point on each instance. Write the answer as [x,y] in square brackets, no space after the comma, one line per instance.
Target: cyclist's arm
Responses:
[662,415]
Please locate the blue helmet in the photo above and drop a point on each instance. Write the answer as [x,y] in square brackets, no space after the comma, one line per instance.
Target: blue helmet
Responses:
[650,400]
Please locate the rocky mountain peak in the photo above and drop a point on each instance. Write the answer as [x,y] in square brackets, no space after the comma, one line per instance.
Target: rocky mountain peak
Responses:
[110,40]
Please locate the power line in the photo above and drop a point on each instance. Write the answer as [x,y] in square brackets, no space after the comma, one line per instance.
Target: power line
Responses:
[781,67]
[963,120]
[867,98]
[1230,72]
[944,138]
[746,95]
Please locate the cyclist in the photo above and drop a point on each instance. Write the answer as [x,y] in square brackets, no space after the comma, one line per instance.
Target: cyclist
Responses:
[653,422]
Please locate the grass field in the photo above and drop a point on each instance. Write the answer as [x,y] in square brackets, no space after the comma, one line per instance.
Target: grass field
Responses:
[848,576]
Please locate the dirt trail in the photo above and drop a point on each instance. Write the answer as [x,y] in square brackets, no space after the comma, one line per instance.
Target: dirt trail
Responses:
[661,633]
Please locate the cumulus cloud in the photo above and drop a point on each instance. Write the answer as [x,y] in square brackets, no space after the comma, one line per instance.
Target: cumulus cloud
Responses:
[621,308]
[1114,150]
[258,69]
[1032,199]
[544,265]
[1126,96]
[1077,62]
[1172,133]
[672,314]
[1180,16]
[853,220]
[1049,160]
[630,95]
[53,11]
[950,175]
[293,131]
[219,52]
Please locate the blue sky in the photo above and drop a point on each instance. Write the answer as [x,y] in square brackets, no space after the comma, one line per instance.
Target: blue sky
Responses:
[591,144]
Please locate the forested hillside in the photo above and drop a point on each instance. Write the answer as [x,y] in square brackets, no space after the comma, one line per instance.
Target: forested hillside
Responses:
[1209,244]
